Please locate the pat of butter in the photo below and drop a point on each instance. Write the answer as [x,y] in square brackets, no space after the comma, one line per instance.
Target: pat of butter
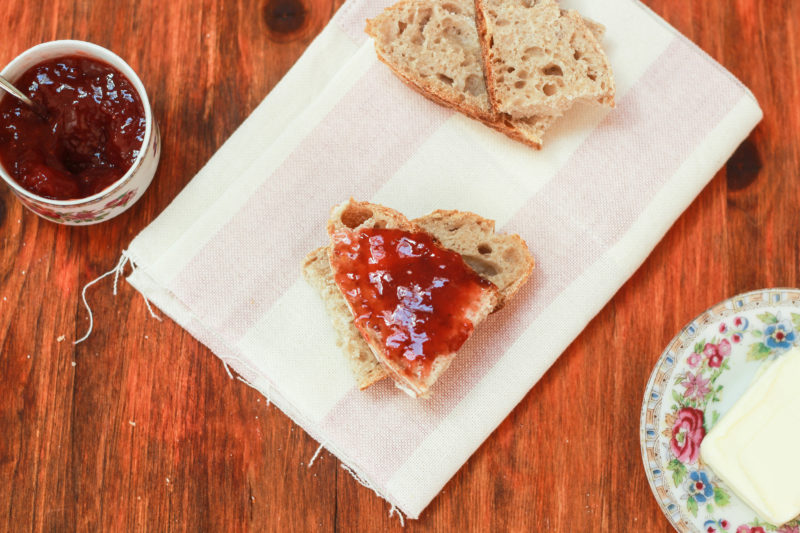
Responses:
[754,447]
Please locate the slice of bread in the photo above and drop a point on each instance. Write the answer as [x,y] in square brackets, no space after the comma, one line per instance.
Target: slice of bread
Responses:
[502,259]
[433,47]
[540,59]
[366,368]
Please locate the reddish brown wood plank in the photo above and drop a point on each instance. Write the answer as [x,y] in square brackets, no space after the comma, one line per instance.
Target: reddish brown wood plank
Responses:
[146,431]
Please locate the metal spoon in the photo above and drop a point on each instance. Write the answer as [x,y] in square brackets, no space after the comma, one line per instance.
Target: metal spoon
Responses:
[16,93]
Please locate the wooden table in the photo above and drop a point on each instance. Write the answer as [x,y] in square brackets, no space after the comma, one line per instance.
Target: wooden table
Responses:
[140,428]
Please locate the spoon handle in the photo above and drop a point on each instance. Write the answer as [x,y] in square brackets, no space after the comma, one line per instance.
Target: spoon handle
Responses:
[5,84]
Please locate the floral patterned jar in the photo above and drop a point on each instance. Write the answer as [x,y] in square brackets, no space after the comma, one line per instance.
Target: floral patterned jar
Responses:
[123,193]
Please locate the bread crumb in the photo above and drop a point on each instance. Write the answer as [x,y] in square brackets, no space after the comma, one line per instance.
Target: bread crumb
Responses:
[61,338]
[131,422]
[74,363]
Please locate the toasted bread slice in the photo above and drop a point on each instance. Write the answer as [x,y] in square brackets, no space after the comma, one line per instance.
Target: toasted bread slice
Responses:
[433,47]
[502,259]
[540,59]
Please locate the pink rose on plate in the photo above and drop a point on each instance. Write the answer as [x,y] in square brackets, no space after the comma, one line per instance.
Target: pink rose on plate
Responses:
[747,529]
[687,434]
[724,348]
[717,352]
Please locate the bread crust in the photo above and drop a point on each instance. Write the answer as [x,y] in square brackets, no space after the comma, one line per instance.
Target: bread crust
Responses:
[483,37]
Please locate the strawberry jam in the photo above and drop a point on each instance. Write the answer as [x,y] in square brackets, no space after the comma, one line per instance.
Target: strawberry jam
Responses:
[86,136]
[417,297]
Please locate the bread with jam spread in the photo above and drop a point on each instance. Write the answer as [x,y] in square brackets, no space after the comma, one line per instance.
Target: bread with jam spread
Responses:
[503,260]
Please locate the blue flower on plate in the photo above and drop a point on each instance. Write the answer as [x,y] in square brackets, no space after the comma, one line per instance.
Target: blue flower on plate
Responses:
[779,336]
[699,486]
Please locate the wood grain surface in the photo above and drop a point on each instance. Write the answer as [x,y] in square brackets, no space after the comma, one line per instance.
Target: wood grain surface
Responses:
[140,428]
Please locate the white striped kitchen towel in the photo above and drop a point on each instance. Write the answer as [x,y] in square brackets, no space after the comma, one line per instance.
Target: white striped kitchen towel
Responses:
[224,259]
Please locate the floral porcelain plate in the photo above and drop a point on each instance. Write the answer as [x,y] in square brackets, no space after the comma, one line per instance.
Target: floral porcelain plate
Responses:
[700,375]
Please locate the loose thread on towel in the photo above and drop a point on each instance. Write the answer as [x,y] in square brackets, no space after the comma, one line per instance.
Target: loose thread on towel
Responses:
[116,271]
[266,396]
[361,481]
[394,510]
[240,378]
[314,458]
[228,370]
[367,484]
[150,309]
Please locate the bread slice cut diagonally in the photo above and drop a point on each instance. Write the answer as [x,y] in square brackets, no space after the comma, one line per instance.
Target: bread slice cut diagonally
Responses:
[540,59]
[502,259]
[433,47]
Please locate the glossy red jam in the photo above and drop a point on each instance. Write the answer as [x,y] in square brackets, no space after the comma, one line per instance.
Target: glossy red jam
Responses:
[415,294]
[88,137]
